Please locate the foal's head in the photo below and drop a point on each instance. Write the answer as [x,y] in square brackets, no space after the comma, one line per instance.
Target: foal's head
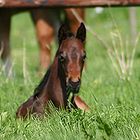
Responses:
[71,55]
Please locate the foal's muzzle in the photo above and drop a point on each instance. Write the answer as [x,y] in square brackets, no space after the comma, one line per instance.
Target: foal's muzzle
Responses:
[74,86]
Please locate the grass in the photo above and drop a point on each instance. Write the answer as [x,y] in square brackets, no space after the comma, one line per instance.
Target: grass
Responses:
[114,103]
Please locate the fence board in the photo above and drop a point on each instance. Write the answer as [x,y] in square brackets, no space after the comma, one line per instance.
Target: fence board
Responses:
[67,3]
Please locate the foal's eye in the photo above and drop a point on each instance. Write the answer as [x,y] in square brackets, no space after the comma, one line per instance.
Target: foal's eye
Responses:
[61,58]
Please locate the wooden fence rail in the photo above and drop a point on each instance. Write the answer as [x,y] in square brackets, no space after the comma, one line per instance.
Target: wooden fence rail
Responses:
[66,3]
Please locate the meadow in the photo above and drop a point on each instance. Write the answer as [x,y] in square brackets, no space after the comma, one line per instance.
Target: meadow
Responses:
[112,94]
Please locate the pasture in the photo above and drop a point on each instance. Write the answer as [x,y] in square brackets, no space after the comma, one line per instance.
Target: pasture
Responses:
[113,96]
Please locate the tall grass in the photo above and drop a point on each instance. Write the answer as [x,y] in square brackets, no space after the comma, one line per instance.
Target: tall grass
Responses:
[122,55]
[120,51]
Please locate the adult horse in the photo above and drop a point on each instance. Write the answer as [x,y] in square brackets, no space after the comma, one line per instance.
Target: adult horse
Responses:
[46,23]
[63,76]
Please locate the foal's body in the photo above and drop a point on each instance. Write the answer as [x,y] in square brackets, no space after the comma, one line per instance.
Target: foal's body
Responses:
[62,77]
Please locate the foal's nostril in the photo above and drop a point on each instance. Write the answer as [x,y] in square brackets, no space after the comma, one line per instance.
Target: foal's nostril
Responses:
[74,85]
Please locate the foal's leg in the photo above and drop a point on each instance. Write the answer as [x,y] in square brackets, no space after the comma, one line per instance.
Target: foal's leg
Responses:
[44,20]
[79,103]
[5,19]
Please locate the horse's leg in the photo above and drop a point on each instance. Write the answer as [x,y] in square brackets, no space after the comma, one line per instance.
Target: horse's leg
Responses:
[44,20]
[79,103]
[72,19]
[44,32]
[5,19]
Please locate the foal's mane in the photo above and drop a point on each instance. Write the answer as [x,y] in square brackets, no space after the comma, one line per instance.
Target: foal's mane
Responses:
[43,82]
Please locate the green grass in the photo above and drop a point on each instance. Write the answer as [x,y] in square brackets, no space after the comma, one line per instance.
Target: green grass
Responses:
[114,103]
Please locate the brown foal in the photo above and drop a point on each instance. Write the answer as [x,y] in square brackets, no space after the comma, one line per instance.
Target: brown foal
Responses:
[63,76]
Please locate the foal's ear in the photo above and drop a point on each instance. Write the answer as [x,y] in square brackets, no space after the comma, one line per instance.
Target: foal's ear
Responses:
[62,33]
[81,32]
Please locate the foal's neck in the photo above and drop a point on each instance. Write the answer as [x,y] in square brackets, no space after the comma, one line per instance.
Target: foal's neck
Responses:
[58,85]
[57,73]
[54,88]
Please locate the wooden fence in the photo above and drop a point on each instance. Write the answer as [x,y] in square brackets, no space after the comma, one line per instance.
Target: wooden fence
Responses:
[66,3]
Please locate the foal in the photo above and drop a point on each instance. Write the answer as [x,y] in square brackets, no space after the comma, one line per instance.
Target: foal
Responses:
[63,76]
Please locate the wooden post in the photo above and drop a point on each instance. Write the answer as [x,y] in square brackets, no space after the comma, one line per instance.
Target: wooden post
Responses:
[67,3]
